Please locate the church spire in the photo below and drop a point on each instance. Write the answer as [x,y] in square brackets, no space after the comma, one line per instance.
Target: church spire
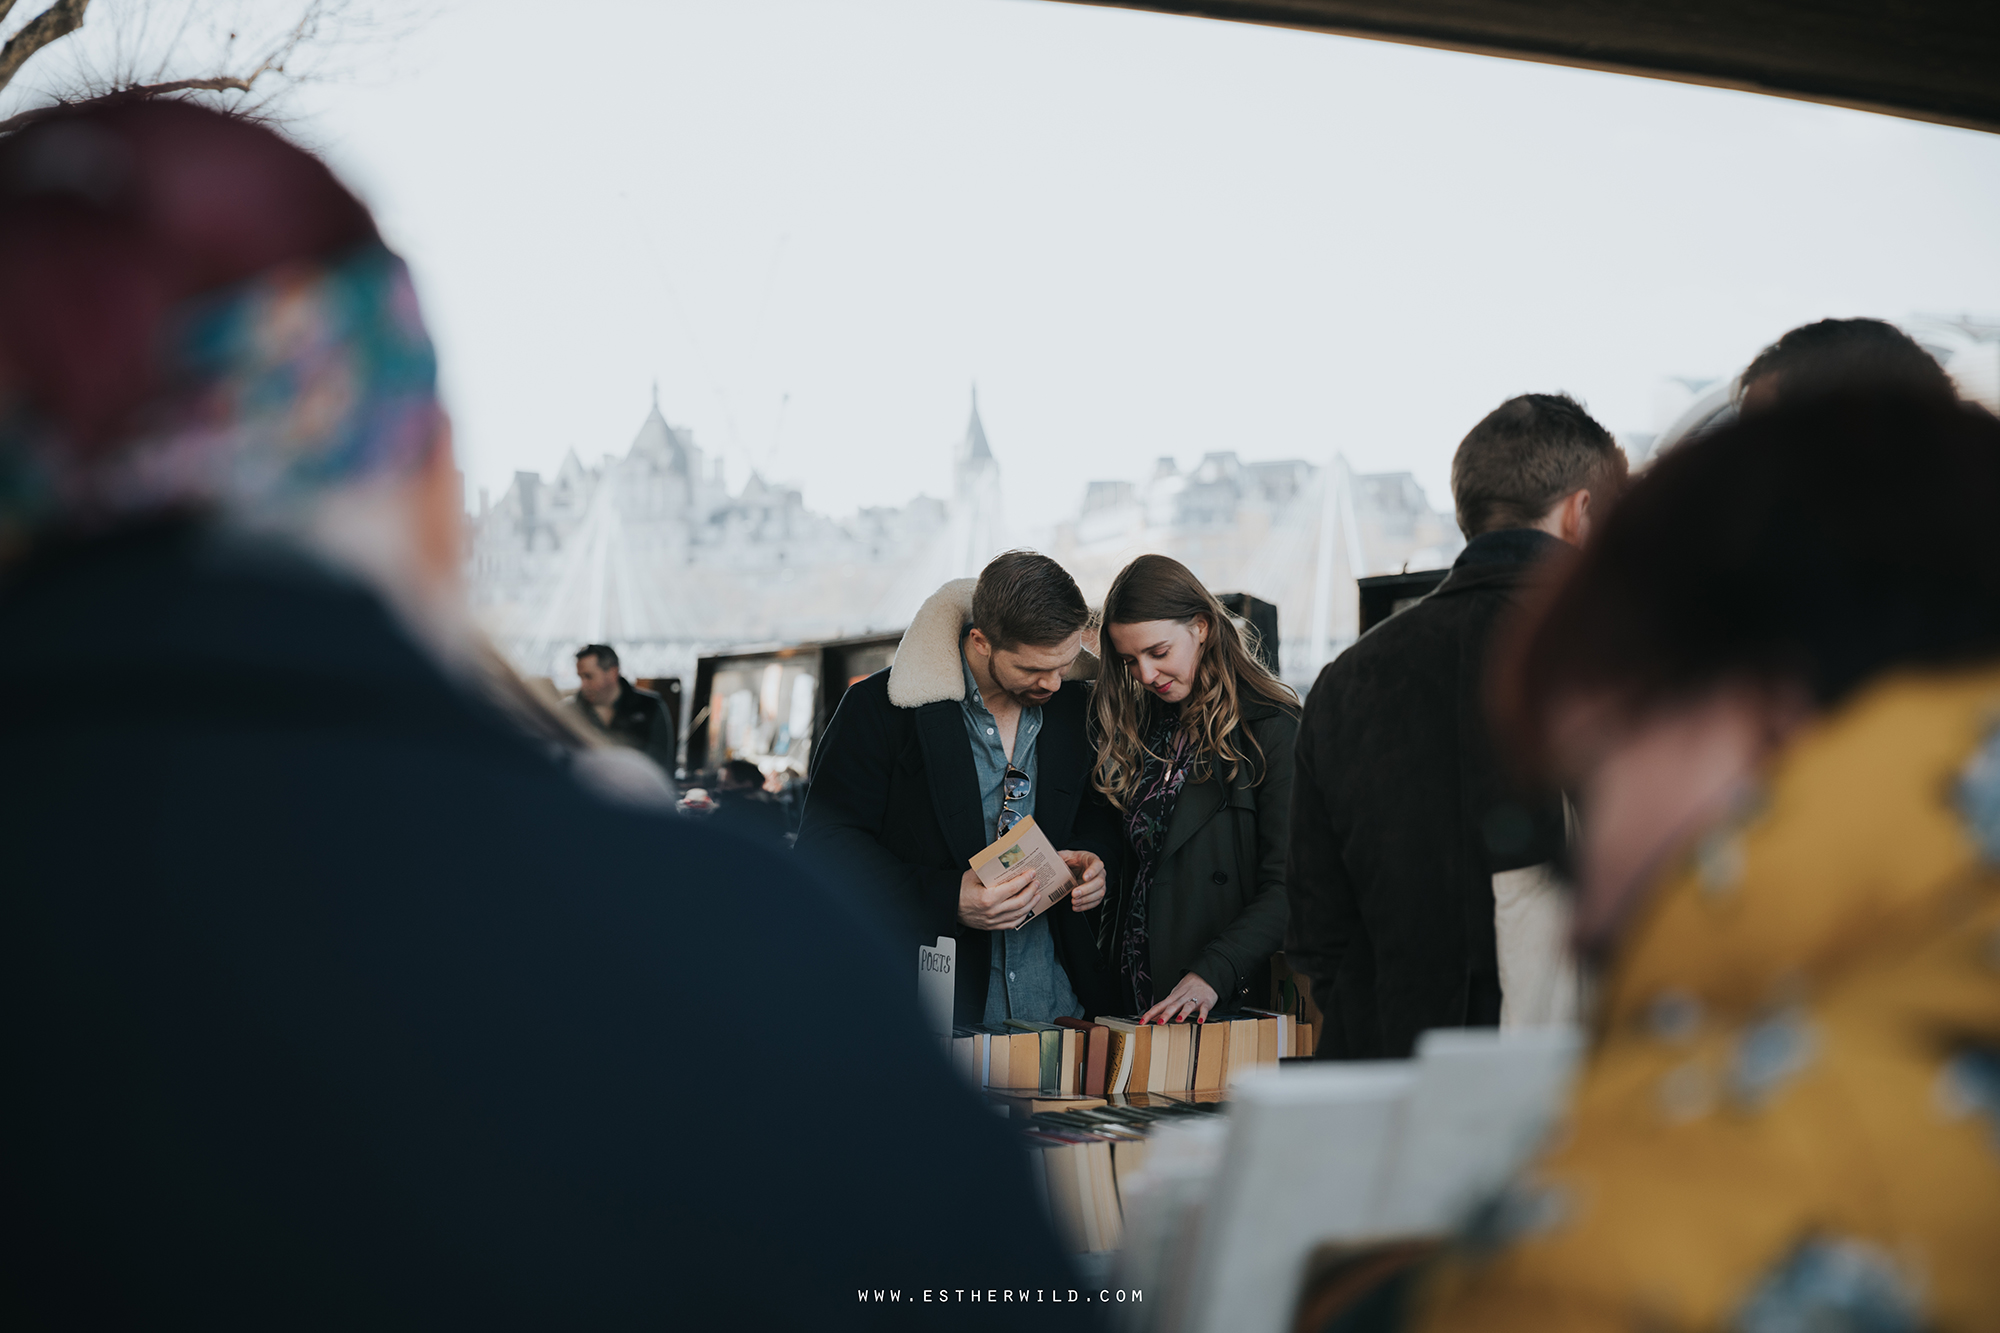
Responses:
[975,451]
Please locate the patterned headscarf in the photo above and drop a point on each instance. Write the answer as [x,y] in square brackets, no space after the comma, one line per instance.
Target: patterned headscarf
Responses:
[306,378]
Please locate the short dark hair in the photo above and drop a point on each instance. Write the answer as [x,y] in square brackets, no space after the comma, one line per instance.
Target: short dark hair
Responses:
[1025,597]
[606,655]
[1526,455]
[1834,355]
[743,771]
[1824,542]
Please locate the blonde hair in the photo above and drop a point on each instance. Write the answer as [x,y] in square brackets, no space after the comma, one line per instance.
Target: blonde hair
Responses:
[1156,587]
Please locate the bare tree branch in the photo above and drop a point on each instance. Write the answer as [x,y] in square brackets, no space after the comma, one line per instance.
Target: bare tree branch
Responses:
[59,20]
[163,48]
[219,83]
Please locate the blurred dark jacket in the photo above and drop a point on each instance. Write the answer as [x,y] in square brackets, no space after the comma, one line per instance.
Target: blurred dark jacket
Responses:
[333,1001]
[1401,816]
[750,814]
[639,719]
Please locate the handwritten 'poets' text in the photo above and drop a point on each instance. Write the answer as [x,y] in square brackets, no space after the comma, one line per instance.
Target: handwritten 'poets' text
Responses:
[1000,1295]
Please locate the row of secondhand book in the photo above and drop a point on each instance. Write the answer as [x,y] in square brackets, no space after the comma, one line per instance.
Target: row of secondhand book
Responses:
[1123,1055]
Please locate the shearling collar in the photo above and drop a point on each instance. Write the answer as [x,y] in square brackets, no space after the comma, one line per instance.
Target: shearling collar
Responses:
[928,668]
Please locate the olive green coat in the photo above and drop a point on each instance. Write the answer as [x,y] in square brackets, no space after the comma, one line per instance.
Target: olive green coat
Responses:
[1217,907]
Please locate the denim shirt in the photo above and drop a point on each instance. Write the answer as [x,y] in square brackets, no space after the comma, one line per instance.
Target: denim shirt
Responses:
[1025,980]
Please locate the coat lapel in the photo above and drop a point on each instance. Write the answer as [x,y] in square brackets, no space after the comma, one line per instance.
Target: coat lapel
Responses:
[954,782]
[1196,806]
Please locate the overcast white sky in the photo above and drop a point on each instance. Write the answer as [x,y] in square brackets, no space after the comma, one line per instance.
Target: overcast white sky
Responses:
[1141,235]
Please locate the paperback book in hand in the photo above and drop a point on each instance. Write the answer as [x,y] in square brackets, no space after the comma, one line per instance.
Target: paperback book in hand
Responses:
[1026,845]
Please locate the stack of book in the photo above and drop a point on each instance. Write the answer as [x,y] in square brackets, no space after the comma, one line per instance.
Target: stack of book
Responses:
[1082,1160]
[1122,1055]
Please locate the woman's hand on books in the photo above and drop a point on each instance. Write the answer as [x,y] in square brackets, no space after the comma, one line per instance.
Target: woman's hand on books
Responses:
[1002,905]
[1088,867]
[1189,1002]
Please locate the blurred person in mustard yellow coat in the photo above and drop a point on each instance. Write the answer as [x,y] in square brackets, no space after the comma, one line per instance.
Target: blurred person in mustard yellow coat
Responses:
[1774,682]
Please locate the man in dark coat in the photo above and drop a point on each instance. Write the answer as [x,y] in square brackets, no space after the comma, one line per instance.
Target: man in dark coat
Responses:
[926,763]
[1403,815]
[615,707]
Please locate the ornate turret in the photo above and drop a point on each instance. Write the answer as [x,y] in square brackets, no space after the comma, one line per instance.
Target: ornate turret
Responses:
[660,446]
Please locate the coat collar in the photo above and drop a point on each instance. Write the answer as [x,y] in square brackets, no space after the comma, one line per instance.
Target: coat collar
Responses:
[928,668]
[1196,805]
[1500,559]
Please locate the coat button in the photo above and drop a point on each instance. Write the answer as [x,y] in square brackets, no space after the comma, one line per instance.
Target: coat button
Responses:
[1220,877]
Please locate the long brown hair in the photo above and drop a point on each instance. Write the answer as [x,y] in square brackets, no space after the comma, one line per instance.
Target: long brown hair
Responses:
[1156,587]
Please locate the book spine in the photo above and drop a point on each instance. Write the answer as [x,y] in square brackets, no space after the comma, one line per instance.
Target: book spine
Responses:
[1091,1208]
[1110,1221]
[1141,1038]
[1211,1054]
[1065,1199]
[1024,1061]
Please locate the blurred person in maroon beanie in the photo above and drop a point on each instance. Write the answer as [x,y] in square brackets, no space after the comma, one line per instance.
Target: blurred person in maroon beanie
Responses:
[336,995]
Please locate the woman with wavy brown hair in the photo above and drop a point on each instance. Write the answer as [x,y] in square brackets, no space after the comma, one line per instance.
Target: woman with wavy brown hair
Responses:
[1194,749]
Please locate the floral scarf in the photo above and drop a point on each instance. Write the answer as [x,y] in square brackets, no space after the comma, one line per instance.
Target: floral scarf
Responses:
[1168,759]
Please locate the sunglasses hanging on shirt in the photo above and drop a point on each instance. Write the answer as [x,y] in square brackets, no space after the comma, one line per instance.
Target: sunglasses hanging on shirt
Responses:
[1013,787]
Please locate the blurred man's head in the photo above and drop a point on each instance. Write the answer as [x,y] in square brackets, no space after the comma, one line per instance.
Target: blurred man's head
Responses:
[597,674]
[197,320]
[1536,461]
[1028,618]
[1839,355]
[740,775]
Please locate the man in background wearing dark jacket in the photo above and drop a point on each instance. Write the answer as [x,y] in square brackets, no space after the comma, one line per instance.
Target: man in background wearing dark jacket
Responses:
[744,808]
[615,707]
[1404,826]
